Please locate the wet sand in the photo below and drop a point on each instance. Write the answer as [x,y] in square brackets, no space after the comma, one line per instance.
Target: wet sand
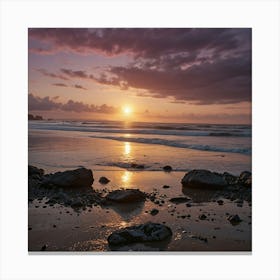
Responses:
[66,229]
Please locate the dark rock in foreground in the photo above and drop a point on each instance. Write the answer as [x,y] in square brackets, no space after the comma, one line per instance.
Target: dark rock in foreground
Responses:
[154,211]
[80,177]
[234,219]
[103,180]
[147,232]
[245,179]
[167,168]
[127,195]
[180,199]
[203,179]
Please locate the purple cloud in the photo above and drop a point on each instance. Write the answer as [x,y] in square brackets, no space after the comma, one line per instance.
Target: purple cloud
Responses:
[195,65]
[79,87]
[52,75]
[36,103]
[59,85]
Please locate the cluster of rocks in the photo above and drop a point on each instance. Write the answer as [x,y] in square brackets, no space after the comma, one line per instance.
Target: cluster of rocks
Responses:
[73,188]
[225,185]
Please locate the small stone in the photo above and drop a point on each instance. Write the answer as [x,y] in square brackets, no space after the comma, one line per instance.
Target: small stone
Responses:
[180,199]
[154,211]
[234,219]
[220,202]
[30,228]
[166,187]
[103,180]
[167,168]
[202,217]
[188,205]
[44,247]
[54,226]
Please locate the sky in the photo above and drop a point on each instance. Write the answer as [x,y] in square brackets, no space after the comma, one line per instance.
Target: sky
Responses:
[173,75]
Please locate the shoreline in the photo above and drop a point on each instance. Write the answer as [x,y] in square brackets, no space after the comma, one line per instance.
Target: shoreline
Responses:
[66,228]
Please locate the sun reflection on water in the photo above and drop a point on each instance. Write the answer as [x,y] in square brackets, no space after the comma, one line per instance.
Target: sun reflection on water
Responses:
[127,148]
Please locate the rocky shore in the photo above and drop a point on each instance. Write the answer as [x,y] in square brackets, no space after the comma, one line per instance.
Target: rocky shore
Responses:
[73,188]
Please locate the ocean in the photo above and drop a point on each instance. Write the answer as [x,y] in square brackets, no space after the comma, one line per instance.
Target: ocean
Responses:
[112,144]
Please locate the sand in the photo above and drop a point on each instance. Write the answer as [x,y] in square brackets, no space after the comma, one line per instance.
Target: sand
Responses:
[62,228]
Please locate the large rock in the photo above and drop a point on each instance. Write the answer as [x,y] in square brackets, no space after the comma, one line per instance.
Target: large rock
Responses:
[203,179]
[126,195]
[245,179]
[147,232]
[80,177]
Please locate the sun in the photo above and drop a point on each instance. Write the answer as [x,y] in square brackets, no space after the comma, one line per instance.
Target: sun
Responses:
[127,110]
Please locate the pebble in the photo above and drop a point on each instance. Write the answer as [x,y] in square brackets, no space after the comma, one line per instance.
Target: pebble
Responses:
[154,211]
[220,202]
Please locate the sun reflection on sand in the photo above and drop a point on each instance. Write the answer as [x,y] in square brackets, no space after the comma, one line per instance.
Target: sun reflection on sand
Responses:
[126,178]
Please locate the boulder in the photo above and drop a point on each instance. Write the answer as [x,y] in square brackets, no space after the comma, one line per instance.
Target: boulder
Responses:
[126,195]
[80,177]
[203,179]
[245,179]
[147,232]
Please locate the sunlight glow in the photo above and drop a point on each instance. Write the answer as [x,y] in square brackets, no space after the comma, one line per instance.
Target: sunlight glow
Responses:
[127,110]
[126,178]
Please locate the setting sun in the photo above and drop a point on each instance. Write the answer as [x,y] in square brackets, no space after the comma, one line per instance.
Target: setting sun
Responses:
[127,110]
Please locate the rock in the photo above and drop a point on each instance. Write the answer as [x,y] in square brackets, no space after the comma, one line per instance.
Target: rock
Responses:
[203,179]
[137,166]
[103,180]
[245,179]
[180,199]
[220,202]
[188,205]
[234,219]
[154,212]
[147,232]
[32,170]
[166,187]
[167,168]
[202,217]
[80,177]
[127,195]
[44,247]
[231,179]
[77,203]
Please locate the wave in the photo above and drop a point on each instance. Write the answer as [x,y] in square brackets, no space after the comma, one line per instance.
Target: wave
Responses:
[177,144]
[149,131]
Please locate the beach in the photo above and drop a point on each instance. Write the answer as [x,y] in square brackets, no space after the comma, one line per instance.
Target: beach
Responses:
[133,158]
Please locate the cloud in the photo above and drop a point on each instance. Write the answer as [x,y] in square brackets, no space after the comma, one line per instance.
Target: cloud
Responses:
[79,87]
[74,86]
[74,74]
[52,75]
[195,65]
[223,81]
[145,42]
[59,85]
[36,103]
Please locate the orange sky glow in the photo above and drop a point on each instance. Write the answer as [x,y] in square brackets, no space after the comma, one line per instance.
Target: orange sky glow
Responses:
[152,75]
